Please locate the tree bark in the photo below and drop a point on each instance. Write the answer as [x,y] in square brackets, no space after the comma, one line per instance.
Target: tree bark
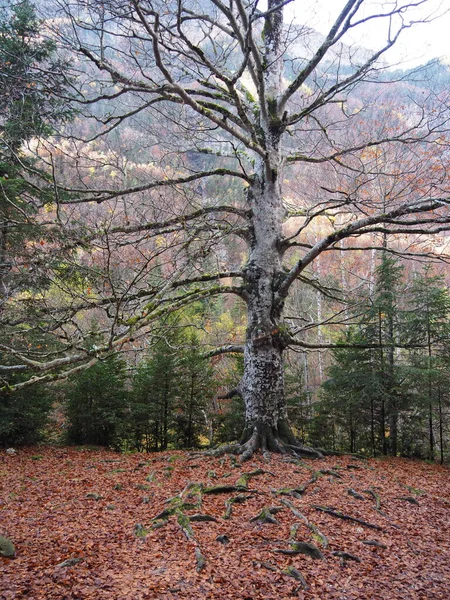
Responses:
[263,380]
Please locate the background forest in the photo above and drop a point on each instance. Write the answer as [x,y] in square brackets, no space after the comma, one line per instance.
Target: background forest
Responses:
[123,236]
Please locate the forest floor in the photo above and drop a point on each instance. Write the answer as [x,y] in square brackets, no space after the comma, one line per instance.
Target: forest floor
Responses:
[93,524]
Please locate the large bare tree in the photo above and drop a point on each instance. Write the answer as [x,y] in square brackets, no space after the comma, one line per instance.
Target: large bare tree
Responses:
[249,127]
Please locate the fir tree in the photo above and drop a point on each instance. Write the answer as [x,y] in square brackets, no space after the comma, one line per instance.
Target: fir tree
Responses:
[96,402]
[196,392]
[428,324]
[155,388]
[31,103]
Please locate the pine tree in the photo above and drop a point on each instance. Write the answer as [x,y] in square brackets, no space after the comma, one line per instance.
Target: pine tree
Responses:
[31,103]
[196,391]
[96,402]
[23,418]
[365,391]
[349,410]
[383,328]
[155,388]
[429,324]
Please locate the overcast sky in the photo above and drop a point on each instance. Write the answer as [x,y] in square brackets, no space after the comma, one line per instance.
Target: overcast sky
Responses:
[417,45]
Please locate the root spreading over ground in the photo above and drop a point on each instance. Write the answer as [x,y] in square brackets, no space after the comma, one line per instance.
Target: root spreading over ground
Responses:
[92,524]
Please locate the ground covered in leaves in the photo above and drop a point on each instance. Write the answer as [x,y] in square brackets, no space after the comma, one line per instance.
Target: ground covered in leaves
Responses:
[92,524]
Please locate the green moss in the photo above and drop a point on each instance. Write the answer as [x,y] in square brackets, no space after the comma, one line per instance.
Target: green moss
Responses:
[185,524]
[174,458]
[272,107]
[139,530]
[132,320]
[243,480]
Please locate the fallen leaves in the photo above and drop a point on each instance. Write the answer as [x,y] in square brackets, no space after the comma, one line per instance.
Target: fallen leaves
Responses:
[82,525]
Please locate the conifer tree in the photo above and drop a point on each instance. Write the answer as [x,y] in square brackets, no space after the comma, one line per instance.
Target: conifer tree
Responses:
[428,324]
[155,388]
[31,103]
[365,389]
[196,391]
[96,401]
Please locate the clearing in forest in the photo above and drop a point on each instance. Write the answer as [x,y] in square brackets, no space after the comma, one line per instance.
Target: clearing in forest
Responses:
[93,524]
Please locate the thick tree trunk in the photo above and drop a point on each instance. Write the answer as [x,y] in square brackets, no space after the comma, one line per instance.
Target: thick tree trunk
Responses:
[263,381]
[262,386]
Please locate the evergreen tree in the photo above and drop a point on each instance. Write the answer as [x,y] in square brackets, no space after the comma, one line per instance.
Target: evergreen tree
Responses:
[366,391]
[382,326]
[33,85]
[23,416]
[196,391]
[428,324]
[349,410]
[300,409]
[155,388]
[96,402]
[229,417]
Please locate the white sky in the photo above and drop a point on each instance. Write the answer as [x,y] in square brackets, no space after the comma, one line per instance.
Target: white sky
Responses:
[417,45]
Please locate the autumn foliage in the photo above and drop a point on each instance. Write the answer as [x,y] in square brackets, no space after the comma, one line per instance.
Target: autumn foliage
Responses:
[125,525]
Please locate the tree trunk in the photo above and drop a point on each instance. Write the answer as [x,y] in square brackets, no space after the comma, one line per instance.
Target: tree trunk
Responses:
[441,428]
[383,402]
[372,427]
[263,381]
[262,387]
[430,391]
[430,431]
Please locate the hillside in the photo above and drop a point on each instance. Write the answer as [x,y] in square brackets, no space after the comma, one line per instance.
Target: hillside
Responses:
[99,507]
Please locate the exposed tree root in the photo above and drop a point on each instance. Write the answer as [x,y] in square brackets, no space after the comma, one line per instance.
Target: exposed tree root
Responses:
[302,548]
[289,571]
[265,564]
[339,515]
[344,556]
[316,533]
[263,437]
[186,506]
[409,499]
[374,543]
[376,497]
[266,515]
[239,499]
[224,489]
[355,494]
[295,573]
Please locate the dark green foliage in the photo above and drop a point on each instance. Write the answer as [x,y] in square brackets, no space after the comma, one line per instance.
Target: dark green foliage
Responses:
[365,391]
[155,387]
[298,401]
[349,411]
[96,403]
[172,390]
[31,104]
[386,399]
[229,421]
[196,391]
[428,324]
[32,81]
[229,417]
[23,415]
